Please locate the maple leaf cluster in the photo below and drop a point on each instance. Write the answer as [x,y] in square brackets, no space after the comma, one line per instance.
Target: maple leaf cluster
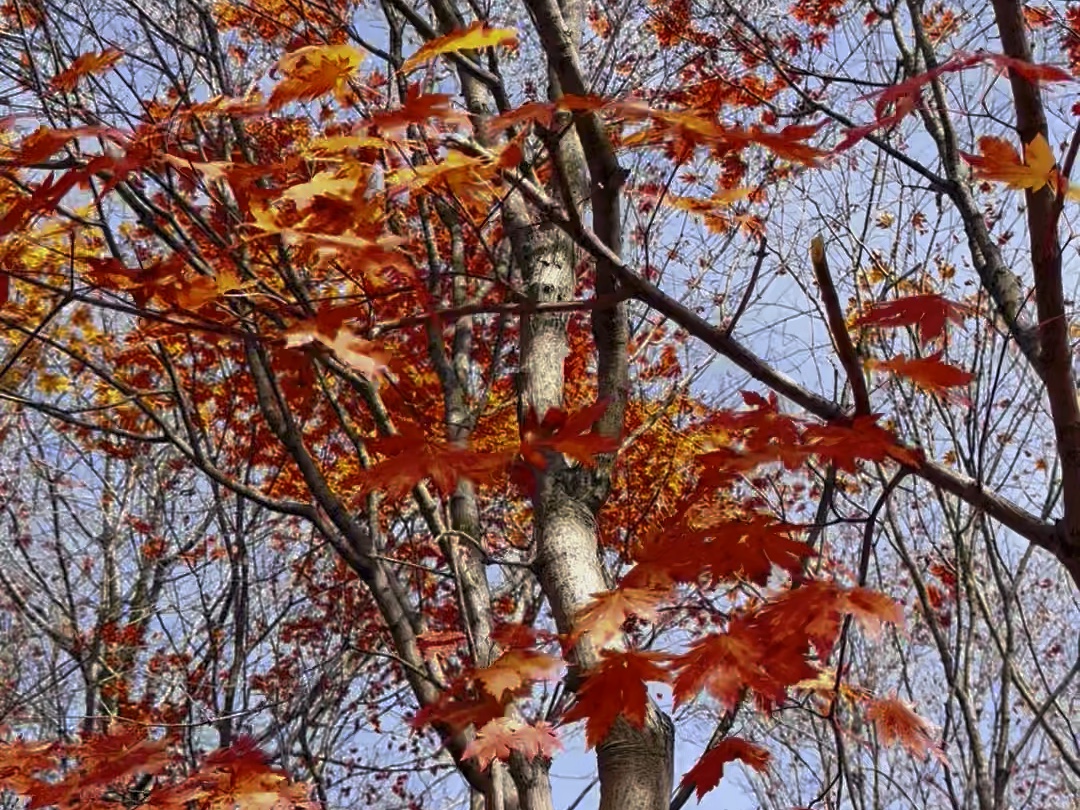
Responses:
[765,649]
[482,698]
[96,772]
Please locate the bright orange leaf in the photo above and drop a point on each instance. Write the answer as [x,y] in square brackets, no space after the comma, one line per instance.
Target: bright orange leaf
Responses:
[602,618]
[515,669]
[85,65]
[926,372]
[314,71]
[364,356]
[871,609]
[1000,161]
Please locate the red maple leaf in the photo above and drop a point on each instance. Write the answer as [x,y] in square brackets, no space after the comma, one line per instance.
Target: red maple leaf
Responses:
[733,549]
[572,434]
[845,443]
[457,710]
[929,313]
[1030,71]
[724,665]
[910,89]
[415,457]
[707,772]
[748,550]
[616,687]
[440,643]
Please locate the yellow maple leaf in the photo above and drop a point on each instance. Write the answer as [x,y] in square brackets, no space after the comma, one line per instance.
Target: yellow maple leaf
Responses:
[1000,161]
[53,383]
[476,36]
[722,198]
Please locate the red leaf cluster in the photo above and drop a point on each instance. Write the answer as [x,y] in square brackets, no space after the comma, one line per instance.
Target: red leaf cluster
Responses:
[83,773]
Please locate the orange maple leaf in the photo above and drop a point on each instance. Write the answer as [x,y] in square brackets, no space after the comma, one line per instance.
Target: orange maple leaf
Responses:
[113,757]
[44,142]
[603,617]
[498,738]
[364,356]
[1000,161]
[926,372]
[789,143]
[476,36]
[418,107]
[707,772]
[927,312]
[722,198]
[200,290]
[86,64]
[494,740]
[314,71]
[467,177]
[102,761]
[540,112]
[240,776]
[871,609]
[897,723]
[514,670]
[616,687]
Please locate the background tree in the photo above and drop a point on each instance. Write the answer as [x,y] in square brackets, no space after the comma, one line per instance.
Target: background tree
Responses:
[430,345]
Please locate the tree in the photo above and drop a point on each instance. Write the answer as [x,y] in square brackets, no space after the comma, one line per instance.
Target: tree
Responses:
[464,342]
